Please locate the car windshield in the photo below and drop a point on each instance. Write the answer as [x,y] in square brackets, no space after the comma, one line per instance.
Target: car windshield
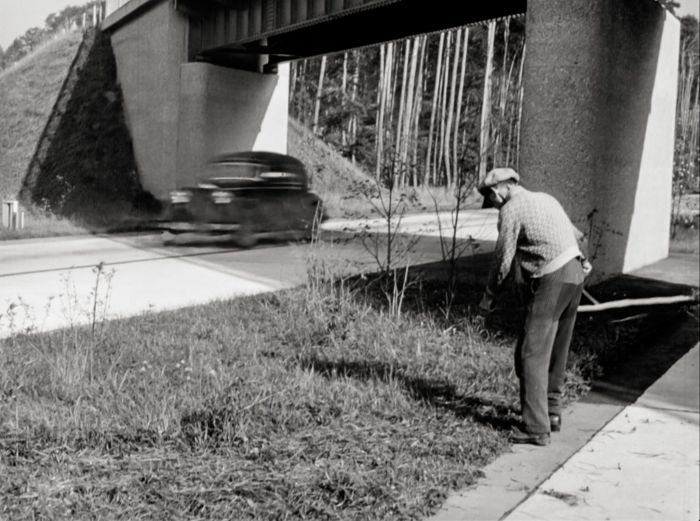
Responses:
[234,170]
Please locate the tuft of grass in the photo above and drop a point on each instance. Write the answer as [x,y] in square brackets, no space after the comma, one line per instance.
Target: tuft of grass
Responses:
[686,240]
[42,224]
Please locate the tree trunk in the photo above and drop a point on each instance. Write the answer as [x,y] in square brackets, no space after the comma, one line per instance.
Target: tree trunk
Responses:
[343,97]
[418,107]
[410,110]
[502,94]
[353,118]
[385,105]
[443,104]
[513,110]
[433,113]
[391,76]
[400,136]
[319,94]
[449,164]
[301,105]
[484,140]
[520,107]
[462,74]
[381,101]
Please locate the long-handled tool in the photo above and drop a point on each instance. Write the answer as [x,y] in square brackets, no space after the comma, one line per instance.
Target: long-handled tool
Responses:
[634,302]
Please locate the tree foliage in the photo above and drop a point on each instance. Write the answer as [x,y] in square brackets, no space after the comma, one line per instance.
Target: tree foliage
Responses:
[413,107]
[686,167]
[71,17]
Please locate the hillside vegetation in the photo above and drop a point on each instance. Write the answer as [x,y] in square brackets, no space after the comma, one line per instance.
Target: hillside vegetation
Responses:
[348,190]
[65,148]
[28,91]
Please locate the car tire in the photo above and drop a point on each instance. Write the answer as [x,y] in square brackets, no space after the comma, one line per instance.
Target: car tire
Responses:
[245,238]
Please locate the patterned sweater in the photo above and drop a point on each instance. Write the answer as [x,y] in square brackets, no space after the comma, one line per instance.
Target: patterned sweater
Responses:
[533,229]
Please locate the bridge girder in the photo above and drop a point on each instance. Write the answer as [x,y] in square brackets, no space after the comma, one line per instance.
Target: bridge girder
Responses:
[235,32]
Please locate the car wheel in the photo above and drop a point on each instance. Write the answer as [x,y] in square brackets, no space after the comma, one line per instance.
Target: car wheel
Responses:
[245,238]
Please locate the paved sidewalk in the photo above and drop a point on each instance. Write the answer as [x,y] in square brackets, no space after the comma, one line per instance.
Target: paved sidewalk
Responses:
[613,460]
[643,465]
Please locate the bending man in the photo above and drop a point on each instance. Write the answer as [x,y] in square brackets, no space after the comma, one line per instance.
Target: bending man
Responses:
[535,233]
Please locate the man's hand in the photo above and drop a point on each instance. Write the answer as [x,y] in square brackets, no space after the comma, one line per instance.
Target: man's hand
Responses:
[587,267]
[486,304]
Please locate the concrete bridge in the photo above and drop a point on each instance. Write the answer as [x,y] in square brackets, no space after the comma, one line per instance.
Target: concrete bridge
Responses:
[600,78]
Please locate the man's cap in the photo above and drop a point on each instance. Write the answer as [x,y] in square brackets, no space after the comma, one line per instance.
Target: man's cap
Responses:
[495,176]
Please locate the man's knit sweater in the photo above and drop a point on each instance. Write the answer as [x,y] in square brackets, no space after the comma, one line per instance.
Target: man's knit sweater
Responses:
[534,230]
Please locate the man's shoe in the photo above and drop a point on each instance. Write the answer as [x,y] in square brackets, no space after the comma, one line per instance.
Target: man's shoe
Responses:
[518,436]
[555,422]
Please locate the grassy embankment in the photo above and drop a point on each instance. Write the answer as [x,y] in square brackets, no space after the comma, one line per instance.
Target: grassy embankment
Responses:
[28,91]
[85,174]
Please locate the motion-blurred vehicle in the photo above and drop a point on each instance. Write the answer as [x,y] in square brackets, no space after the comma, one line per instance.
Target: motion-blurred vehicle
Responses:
[245,197]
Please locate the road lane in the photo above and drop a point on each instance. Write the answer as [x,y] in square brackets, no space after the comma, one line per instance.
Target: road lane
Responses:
[480,224]
[132,281]
[50,283]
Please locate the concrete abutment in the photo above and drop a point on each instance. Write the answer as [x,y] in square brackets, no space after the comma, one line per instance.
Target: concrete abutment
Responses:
[600,85]
[182,113]
[228,110]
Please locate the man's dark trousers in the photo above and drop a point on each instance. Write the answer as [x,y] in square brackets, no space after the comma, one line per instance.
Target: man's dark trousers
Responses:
[551,302]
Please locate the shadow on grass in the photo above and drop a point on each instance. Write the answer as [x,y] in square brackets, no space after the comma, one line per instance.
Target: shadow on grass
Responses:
[437,393]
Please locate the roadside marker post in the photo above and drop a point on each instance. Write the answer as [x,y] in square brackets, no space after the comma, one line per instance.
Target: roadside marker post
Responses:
[11,216]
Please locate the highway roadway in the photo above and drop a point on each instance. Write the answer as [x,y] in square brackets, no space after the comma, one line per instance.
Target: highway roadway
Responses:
[52,283]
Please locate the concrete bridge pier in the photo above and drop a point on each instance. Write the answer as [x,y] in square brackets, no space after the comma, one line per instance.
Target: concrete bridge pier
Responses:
[180,112]
[229,110]
[598,121]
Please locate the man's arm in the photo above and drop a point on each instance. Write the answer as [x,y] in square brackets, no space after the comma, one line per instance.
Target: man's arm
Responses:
[506,246]
[582,242]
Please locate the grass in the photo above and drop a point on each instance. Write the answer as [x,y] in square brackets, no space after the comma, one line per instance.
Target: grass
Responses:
[42,225]
[686,240]
[28,91]
[314,403]
[685,235]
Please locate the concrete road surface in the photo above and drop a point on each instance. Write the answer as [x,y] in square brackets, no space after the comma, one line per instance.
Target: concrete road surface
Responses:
[52,283]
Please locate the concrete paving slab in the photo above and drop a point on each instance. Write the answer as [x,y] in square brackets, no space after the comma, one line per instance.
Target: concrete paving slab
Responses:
[514,475]
[644,465]
[677,268]
[678,388]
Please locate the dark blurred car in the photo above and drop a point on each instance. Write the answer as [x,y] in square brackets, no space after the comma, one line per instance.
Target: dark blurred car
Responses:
[244,197]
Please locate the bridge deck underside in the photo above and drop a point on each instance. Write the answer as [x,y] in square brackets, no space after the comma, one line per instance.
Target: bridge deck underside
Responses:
[218,36]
